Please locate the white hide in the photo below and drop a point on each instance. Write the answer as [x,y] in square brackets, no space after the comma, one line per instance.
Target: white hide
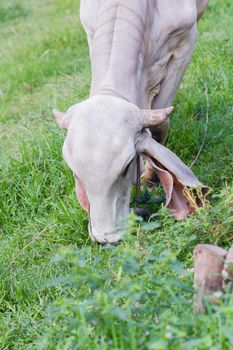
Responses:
[139,51]
[98,158]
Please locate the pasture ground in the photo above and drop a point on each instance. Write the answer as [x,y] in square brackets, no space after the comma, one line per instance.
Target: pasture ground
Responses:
[57,289]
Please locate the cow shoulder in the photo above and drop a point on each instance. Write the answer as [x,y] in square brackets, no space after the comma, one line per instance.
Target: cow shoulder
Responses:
[177,15]
[88,13]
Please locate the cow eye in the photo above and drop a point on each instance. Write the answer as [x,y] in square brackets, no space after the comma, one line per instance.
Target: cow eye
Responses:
[125,172]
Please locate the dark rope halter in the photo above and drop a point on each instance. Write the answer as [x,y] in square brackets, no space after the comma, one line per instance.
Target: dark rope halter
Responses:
[138,184]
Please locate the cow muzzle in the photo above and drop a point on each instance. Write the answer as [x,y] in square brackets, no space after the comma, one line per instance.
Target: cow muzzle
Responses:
[104,238]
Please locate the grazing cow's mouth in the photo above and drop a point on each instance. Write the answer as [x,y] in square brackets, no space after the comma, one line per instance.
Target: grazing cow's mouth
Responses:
[110,238]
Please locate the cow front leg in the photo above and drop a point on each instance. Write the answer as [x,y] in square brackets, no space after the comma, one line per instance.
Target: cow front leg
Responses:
[175,71]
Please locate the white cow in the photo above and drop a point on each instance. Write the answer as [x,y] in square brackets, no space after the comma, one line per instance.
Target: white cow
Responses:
[139,51]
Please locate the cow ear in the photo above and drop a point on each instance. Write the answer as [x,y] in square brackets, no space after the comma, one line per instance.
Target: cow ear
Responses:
[184,193]
[61,118]
[81,194]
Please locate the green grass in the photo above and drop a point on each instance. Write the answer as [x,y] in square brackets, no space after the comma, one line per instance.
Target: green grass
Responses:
[57,289]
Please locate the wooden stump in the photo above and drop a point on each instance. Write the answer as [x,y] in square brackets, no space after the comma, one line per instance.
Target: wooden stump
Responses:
[228,268]
[208,279]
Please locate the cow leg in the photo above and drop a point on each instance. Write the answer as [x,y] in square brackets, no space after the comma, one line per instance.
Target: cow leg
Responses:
[201,6]
[175,71]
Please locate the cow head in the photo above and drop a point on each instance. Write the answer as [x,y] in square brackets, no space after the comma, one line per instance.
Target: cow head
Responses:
[104,136]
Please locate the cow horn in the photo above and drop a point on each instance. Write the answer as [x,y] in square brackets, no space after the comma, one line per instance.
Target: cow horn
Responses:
[155,117]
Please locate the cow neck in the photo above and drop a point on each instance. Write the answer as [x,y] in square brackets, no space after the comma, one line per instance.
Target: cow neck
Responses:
[117,50]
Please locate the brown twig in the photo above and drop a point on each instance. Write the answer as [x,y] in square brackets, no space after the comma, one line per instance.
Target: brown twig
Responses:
[206,127]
